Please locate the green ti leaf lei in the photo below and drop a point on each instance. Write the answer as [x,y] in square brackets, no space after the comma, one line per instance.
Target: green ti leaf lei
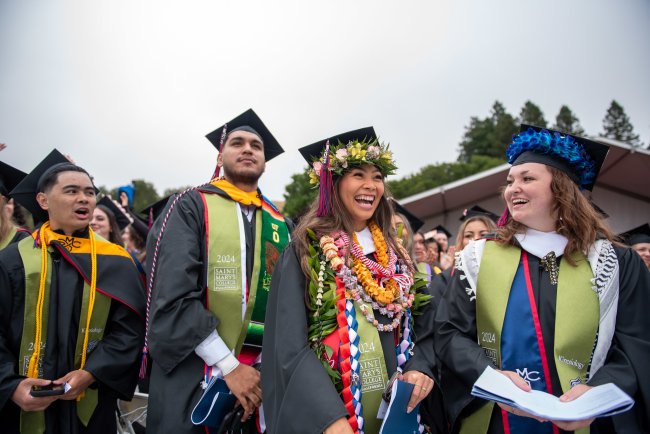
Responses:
[323,310]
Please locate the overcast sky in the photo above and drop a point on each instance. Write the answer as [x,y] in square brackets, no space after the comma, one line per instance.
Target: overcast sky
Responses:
[130,88]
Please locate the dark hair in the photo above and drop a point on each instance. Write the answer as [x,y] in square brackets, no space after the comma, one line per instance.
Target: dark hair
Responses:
[51,175]
[115,236]
[21,216]
[340,219]
[576,217]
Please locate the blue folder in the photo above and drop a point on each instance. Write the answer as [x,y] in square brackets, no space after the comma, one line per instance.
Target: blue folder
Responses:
[214,404]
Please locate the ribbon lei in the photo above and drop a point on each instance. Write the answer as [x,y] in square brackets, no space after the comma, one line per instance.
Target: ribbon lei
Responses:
[326,185]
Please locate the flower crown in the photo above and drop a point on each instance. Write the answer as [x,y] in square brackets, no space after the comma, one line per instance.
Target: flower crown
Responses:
[343,157]
[555,144]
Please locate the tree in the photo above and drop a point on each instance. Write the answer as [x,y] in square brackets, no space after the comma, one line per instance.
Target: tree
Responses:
[170,191]
[617,125]
[299,194]
[435,175]
[488,137]
[531,114]
[567,122]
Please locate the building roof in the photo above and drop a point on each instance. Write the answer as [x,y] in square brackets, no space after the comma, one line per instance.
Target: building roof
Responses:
[626,171]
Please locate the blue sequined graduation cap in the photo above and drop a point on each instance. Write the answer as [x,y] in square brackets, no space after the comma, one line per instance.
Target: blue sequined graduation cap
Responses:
[578,157]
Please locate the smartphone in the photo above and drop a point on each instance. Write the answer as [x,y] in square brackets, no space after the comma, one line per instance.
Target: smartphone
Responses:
[48,390]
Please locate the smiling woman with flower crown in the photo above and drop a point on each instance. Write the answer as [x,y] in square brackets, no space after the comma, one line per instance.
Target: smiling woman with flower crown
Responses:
[346,305]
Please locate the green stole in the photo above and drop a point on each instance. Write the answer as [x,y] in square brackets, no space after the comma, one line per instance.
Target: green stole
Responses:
[226,280]
[372,369]
[34,422]
[577,311]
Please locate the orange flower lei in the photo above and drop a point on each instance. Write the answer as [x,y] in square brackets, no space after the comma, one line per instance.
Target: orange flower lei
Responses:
[390,291]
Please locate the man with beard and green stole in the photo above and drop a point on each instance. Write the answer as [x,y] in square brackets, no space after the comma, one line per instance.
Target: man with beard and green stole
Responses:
[212,252]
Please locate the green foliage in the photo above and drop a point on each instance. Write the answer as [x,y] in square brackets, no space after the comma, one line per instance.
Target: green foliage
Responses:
[435,175]
[170,191]
[489,136]
[617,125]
[299,194]
[567,122]
[531,114]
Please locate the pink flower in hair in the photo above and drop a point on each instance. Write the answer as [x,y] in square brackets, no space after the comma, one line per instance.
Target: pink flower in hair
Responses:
[341,154]
[317,165]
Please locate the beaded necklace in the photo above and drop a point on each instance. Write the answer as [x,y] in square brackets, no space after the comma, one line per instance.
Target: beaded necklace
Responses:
[391,299]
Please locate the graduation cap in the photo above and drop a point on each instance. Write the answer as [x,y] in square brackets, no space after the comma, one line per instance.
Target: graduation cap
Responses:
[599,210]
[25,192]
[247,121]
[153,211]
[10,177]
[441,228]
[415,222]
[578,157]
[637,235]
[477,211]
[315,151]
[121,218]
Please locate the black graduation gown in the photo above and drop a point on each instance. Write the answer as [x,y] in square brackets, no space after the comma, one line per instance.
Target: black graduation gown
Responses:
[114,362]
[298,395]
[179,321]
[463,360]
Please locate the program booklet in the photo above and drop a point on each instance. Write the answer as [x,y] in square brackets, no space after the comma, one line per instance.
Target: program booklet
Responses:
[599,401]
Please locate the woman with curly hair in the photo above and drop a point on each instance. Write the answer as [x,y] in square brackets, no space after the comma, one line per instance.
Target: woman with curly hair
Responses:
[551,302]
[340,318]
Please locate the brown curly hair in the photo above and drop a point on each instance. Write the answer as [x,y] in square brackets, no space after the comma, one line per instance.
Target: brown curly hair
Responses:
[576,217]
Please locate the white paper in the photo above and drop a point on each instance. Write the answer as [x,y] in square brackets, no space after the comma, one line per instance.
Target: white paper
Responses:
[599,401]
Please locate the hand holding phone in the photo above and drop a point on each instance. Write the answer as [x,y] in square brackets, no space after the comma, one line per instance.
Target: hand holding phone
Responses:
[46,390]
[23,398]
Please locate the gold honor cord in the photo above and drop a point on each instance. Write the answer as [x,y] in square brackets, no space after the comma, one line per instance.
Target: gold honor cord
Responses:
[33,362]
[32,371]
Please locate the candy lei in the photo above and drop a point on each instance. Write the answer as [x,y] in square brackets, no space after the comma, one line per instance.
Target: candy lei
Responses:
[348,326]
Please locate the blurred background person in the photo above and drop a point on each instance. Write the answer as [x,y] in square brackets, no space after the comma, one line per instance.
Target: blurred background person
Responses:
[639,240]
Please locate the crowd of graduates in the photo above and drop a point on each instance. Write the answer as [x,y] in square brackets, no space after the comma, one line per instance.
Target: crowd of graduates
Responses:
[241,320]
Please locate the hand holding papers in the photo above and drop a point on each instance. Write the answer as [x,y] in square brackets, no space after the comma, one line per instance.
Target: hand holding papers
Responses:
[397,420]
[599,401]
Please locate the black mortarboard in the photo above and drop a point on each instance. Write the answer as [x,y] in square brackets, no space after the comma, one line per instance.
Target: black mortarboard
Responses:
[25,192]
[599,210]
[315,151]
[248,121]
[121,219]
[153,211]
[556,149]
[10,177]
[637,235]
[478,211]
[441,228]
[415,222]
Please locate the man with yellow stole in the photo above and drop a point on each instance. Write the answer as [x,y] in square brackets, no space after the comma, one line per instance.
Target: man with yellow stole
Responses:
[71,312]
[212,253]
